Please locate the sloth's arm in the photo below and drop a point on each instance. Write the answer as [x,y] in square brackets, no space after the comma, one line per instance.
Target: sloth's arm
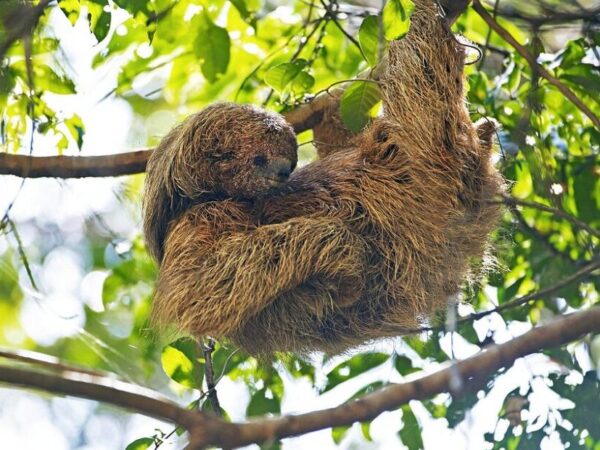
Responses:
[214,288]
[331,135]
[422,85]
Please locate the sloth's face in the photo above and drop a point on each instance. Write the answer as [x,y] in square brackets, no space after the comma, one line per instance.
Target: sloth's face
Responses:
[254,159]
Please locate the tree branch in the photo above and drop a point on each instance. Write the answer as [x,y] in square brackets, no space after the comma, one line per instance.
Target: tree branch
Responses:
[208,349]
[579,275]
[301,118]
[554,17]
[26,166]
[206,430]
[533,63]
[511,202]
[20,22]
[45,361]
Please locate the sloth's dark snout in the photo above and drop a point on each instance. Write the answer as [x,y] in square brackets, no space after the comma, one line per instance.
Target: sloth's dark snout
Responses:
[281,168]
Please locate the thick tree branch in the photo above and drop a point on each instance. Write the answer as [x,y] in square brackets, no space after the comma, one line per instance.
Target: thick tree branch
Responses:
[301,118]
[534,64]
[26,166]
[206,430]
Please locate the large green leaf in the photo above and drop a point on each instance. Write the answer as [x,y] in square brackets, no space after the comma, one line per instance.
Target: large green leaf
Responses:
[263,402]
[181,361]
[358,102]
[396,18]
[282,75]
[410,433]
[211,47]
[140,444]
[370,37]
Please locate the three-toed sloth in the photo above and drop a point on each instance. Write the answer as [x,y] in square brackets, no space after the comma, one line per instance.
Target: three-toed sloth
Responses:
[363,243]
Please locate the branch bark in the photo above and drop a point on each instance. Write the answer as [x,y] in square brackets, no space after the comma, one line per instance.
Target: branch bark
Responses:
[206,430]
[26,166]
[478,7]
[302,118]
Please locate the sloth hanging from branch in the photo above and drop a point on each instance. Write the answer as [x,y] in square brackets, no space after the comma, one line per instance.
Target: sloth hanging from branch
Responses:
[370,240]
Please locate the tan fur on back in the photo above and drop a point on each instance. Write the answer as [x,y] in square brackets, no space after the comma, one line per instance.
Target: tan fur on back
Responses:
[367,241]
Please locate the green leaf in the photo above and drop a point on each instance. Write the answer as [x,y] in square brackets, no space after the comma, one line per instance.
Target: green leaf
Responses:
[140,444]
[280,76]
[338,433]
[358,103]
[404,365]
[410,434]
[365,428]
[75,126]
[135,6]
[370,36]
[396,18]
[303,83]
[245,11]
[102,25]
[354,366]
[46,79]
[211,47]
[263,402]
[181,362]
[71,9]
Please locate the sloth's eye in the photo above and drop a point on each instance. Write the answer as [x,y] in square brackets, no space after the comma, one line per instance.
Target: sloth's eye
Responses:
[260,161]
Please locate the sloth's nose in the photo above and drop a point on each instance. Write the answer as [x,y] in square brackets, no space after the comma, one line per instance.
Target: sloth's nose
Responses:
[281,168]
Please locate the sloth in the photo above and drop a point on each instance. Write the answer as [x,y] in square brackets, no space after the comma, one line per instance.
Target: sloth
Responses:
[367,242]
[227,154]
[206,182]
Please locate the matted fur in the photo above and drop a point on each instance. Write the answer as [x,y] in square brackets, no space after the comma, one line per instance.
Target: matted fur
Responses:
[364,243]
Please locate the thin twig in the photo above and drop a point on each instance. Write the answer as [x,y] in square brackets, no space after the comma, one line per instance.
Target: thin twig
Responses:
[22,254]
[532,61]
[580,275]
[336,83]
[488,36]
[208,348]
[46,361]
[512,201]
[333,15]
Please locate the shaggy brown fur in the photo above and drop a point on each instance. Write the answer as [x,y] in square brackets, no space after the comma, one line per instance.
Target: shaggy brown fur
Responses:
[359,245]
[330,135]
[225,151]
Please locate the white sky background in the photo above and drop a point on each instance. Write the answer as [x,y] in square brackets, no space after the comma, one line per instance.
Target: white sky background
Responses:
[29,421]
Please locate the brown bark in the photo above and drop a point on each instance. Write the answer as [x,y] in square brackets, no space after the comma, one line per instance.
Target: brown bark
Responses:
[207,430]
